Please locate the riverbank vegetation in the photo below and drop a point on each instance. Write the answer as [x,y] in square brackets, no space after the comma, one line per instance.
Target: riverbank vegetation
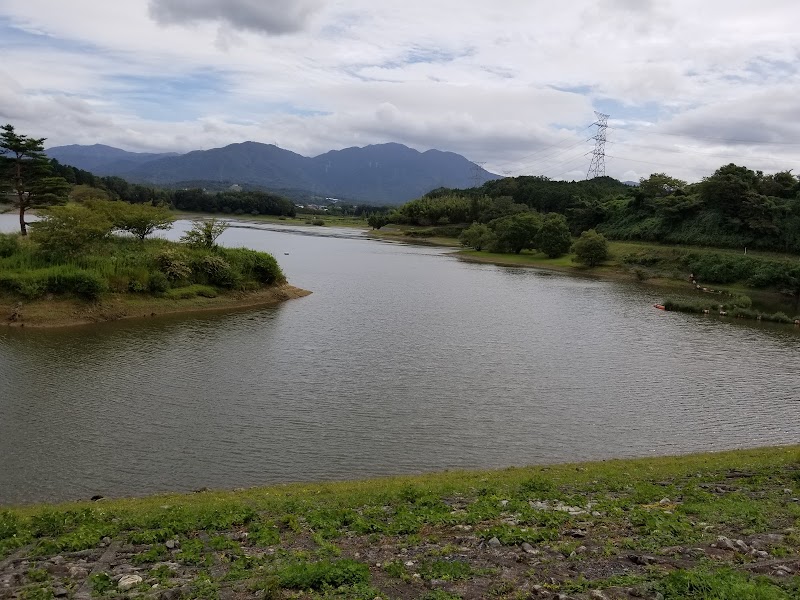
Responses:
[722,526]
[99,251]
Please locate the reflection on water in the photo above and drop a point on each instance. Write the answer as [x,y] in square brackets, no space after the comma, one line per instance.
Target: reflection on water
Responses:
[403,360]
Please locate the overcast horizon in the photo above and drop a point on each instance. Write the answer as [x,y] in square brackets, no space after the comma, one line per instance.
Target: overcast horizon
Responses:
[689,86]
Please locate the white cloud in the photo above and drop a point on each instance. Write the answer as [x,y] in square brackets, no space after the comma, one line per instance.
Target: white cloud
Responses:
[512,84]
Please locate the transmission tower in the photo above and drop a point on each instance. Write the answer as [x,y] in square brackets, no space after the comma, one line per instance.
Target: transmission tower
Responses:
[597,168]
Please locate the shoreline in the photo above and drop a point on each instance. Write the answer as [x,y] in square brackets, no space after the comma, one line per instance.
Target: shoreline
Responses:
[71,312]
[659,527]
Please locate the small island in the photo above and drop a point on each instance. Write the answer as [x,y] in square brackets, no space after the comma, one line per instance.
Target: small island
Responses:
[94,262]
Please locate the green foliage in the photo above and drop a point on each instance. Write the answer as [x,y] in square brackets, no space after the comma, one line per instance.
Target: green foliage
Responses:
[377,220]
[478,236]
[258,266]
[517,232]
[25,170]
[317,575]
[553,237]
[101,583]
[722,584]
[140,220]
[591,248]
[53,280]
[9,244]
[174,265]
[204,234]
[65,231]
[446,570]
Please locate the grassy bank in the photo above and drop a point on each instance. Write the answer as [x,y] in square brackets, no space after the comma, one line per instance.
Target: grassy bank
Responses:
[73,270]
[721,526]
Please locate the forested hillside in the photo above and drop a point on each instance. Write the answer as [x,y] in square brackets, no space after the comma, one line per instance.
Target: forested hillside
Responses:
[734,207]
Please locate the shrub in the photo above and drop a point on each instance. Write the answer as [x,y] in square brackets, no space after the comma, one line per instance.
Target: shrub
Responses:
[174,265]
[258,266]
[157,282]
[204,234]
[591,248]
[217,271]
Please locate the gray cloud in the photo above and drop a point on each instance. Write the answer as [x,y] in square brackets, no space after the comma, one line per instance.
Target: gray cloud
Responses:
[262,16]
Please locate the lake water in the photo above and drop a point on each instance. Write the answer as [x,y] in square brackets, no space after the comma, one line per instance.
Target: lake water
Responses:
[403,360]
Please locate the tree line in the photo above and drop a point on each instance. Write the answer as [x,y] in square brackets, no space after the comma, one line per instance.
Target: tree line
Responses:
[735,207]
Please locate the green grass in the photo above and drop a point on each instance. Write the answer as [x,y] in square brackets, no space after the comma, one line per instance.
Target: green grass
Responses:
[129,266]
[315,539]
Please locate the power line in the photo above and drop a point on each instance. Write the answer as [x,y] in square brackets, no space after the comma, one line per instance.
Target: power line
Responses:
[543,159]
[540,150]
[597,168]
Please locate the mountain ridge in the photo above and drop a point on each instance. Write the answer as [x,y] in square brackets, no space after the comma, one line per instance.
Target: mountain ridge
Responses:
[390,173]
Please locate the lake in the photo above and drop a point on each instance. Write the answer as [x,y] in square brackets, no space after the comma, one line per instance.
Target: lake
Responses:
[403,360]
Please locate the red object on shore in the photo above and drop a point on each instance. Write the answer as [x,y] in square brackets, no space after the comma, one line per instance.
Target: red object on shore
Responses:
[660,306]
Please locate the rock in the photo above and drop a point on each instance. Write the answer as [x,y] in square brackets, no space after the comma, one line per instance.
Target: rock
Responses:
[170,544]
[57,560]
[726,543]
[597,595]
[494,542]
[642,559]
[126,582]
[106,540]
[783,570]
[503,503]
[741,546]
[529,549]
[664,501]
[170,594]
[577,533]
[759,553]
[60,592]
[410,563]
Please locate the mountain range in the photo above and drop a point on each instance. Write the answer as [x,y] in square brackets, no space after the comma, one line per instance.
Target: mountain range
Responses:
[377,174]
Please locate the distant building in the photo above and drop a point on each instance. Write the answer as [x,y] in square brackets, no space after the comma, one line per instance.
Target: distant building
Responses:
[235,188]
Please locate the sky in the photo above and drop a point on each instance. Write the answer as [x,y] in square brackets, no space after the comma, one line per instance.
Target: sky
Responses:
[689,85]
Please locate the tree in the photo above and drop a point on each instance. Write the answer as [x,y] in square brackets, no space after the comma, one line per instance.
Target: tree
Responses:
[24,169]
[516,232]
[591,248]
[377,220]
[553,238]
[204,234]
[659,185]
[142,219]
[65,231]
[477,236]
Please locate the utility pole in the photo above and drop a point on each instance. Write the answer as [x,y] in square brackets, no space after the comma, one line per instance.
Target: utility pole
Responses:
[597,168]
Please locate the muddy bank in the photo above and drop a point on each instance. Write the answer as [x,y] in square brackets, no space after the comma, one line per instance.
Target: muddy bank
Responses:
[69,312]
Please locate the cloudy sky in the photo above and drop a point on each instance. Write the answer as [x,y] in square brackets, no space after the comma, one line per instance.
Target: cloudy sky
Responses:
[690,85]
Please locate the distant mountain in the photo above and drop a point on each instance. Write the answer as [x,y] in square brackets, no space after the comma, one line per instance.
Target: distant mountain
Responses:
[101,159]
[378,174]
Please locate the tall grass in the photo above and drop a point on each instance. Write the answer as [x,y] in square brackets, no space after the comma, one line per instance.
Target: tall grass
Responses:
[126,265]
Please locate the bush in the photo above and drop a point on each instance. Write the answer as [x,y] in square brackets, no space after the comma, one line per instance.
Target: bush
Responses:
[217,271]
[591,248]
[157,282]
[9,244]
[257,266]
[174,265]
